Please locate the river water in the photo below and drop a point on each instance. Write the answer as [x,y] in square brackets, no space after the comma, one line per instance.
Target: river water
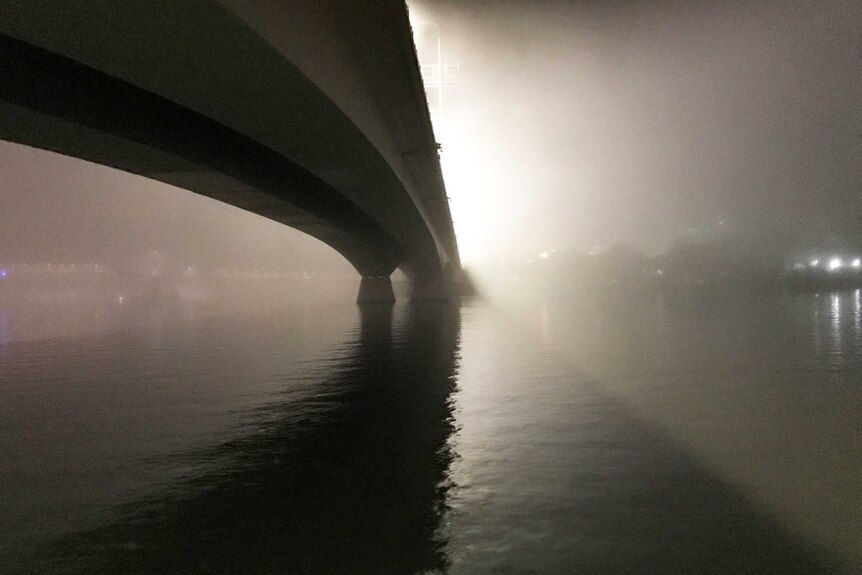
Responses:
[615,434]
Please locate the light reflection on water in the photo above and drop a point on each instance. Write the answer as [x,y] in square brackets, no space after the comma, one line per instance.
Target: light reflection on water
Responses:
[857,314]
[835,331]
[615,437]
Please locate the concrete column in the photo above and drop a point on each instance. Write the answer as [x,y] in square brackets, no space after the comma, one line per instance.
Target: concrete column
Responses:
[375,289]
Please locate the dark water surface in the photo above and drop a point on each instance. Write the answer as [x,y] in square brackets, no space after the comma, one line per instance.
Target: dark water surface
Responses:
[615,436]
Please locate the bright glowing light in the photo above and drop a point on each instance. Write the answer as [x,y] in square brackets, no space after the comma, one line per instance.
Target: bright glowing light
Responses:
[857,263]
[417,20]
[815,263]
[544,255]
[472,185]
[835,264]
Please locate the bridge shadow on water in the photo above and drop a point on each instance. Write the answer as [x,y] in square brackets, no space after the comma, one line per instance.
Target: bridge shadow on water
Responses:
[350,480]
[359,476]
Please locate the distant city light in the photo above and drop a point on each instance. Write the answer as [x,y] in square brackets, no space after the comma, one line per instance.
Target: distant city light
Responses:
[3,273]
[544,255]
[815,263]
[857,263]
[835,264]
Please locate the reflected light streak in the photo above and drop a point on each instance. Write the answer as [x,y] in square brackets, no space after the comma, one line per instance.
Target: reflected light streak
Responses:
[835,322]
[857,312]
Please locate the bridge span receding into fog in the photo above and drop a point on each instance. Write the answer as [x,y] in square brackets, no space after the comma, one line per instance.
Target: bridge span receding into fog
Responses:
[311,113]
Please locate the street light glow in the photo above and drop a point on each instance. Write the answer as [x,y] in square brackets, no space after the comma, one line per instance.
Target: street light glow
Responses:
[416,19]
[835,264]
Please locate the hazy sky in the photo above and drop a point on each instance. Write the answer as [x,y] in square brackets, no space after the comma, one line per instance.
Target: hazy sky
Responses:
[574,124]
[57,209]
[583,123]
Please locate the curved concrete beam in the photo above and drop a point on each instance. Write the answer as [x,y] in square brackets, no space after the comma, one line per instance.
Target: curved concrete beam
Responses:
[188,93]
[64,106]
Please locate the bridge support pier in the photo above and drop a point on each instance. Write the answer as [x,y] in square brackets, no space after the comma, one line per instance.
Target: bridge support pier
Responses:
[375,289]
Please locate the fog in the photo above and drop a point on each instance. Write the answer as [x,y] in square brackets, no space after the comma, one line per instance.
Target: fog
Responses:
[58,209]
[87,249]
[583,124]
[573,127]
[658,157]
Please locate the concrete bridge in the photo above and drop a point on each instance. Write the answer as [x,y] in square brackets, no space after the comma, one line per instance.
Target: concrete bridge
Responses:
[308,112]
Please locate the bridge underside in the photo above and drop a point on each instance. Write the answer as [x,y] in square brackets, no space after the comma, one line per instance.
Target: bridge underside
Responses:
[52,102]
